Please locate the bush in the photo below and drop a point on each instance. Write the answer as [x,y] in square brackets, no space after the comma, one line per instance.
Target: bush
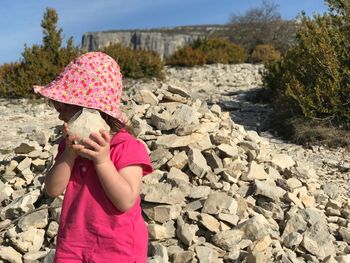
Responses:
[7,68]
[208,51]
[41,63]
[220,50]
[136,63]
[264,54]
[187,57]
[313,78]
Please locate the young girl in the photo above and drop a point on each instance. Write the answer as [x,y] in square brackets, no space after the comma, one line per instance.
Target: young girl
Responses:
[101,217]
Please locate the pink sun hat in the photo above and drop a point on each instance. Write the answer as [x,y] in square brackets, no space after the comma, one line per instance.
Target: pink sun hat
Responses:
[92,80]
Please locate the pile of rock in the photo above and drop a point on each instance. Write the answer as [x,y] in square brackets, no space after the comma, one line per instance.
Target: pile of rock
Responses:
[218,193]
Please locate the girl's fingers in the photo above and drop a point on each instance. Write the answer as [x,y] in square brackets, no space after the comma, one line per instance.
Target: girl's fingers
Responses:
[72,138]
[85,152]
[98,138]
[78,147]
[92,144]
[105,135]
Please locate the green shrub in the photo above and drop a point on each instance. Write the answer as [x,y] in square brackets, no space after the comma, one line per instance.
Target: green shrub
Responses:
[41,63]
[208,51]
[313,78]
[187,57]
[7,68]
[220,50]
[136,63]
[264,54]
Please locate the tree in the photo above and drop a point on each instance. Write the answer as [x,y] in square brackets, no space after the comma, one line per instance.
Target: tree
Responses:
[313,78]
[268,12]
[41,63]
[261,26]
[52,39]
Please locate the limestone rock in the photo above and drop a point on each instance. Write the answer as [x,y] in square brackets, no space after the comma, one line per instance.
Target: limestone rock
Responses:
[318,241]
[86,121]
[9,254]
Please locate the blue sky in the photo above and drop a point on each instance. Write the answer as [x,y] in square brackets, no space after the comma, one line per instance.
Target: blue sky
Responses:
[20,19]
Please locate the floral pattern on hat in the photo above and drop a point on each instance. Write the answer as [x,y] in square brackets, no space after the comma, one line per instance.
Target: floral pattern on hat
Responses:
[92,80]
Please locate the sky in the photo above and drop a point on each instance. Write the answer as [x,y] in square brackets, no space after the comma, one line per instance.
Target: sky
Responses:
[20,19]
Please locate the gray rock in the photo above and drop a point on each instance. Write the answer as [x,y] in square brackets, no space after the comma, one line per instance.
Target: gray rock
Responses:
[282,161]
[158,250]
[183,257]
[162,193]
[162,213]
[144,96]
[24,148]
[199,192]
[318,241]
[86,121]
[177,90]
[197,163]
[186,232]
[178,161]
[20,205]
[159,232]
[52,229]
[24,164]
[218,202]
[10,254]
[268,190]
[38,219]
[30,240]
[255,171]
[293,240]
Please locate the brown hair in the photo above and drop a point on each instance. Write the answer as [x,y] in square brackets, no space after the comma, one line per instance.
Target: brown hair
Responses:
[114,123]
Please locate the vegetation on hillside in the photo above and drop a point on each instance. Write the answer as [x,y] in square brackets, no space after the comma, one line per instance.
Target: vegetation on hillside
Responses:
[262,25]
[310,85]
[264,54]
[136,63]
[208,51]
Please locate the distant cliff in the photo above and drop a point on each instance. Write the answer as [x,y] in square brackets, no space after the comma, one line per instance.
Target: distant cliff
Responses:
[164,41]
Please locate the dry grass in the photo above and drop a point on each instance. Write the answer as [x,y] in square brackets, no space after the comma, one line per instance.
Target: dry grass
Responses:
[316,132]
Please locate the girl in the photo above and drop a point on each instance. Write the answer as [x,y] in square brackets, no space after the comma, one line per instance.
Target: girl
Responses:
[101,217]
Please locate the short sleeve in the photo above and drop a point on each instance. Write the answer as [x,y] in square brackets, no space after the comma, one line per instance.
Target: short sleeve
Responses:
[131,152]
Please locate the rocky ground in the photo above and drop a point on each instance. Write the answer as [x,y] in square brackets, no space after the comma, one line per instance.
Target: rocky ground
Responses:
[224,190]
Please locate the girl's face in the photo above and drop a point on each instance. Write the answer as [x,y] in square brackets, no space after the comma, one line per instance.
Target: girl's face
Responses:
[66,111]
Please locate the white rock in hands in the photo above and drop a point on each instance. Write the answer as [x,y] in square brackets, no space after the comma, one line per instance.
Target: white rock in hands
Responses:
[86,121]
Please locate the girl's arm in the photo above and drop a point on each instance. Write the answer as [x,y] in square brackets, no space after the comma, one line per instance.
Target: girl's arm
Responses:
[122,187]
[58,176]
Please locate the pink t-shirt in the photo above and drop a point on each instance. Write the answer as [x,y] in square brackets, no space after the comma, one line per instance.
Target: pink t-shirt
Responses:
[91,228]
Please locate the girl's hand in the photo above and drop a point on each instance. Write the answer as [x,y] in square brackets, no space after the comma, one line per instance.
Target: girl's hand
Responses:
[71,147]
[96,148]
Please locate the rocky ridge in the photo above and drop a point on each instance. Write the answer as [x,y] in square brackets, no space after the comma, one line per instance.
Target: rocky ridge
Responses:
[219,193]
[164,41]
